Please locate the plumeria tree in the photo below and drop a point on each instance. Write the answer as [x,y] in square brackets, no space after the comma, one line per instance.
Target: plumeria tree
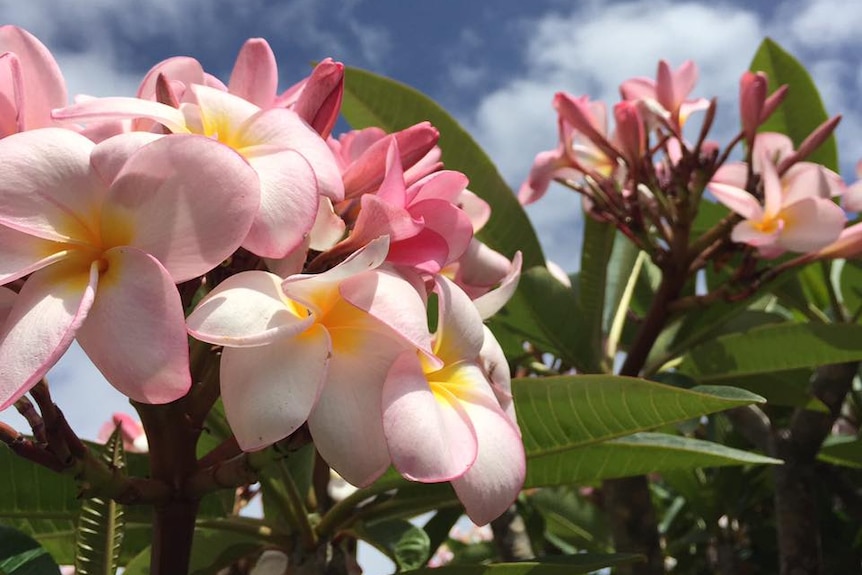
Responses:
[350,330]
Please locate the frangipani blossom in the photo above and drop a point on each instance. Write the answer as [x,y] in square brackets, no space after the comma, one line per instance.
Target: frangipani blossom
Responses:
[362,156]
[316,348]
[584,147]
[667,94]
[293,163]
[799,218]
[427,229]
[447,423]
[104,232]
[31,83]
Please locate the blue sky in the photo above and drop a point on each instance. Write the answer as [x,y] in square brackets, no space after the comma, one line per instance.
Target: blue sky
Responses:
[494,65]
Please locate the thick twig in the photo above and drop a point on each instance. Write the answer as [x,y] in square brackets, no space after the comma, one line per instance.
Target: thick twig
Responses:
[796,482]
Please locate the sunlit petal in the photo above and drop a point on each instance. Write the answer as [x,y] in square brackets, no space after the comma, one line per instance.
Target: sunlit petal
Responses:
[247,309]
[187,200]
[268,391]
[135,332]
[42,323]
[430,437]
[48,188]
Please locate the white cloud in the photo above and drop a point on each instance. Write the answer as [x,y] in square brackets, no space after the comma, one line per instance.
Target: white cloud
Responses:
[591,51]
[593,48]
[825,23]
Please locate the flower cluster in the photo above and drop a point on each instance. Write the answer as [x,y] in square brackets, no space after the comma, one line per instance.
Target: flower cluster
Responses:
[333,249]
[648,180]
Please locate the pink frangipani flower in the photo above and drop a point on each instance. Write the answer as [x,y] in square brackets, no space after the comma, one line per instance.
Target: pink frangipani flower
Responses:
[316,348]
[104,232]
[427,229]
[447,423]
[800,217]
[666,96]
[293,163]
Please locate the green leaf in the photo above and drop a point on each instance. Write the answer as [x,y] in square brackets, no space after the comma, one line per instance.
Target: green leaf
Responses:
[439,526]
[636,454]
[844,451]
[851,286]
[101,523]
[773,348]
[802,109]
[213,549]
[372,100]
[20,554]
[789,388]
[559,414]
[569,565]
[406,544]
[45,505]
[572,522]
[40,503]
[548,313]
[598,245]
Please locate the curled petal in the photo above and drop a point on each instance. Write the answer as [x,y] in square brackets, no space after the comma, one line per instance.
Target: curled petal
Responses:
[477,209]
[118,108]
[545,167]
[494,480]
[187,200]
[429,435]
[394,300]
[321,290]
[496,368]
[135,332]
[848,245]
[42,324]
[328,226]
[735,174]
[247,309]
[460,332]
[493,301]
[269,390]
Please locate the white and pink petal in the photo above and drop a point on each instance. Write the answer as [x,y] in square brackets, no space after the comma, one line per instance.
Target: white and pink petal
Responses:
[135,331]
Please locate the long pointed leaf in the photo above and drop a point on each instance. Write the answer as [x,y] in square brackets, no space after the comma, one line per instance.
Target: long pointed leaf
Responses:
[101,524]
[636,454]
[570,565]
[592,279]
[558,414]
[773,348]
[802,109]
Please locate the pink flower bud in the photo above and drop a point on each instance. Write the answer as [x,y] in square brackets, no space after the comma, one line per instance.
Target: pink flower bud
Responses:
[752,97]
[319,103]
